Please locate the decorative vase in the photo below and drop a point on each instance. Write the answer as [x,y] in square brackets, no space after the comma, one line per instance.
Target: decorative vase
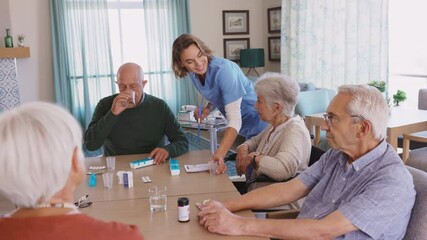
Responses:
[8,40]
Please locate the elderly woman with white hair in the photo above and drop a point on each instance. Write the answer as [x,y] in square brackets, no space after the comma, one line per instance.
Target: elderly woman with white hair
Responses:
[41,165]
[282,149]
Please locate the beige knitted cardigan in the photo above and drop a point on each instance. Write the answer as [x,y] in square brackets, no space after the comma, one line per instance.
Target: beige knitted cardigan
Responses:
[287,151]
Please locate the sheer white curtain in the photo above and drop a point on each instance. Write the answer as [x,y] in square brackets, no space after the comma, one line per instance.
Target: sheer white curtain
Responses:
[164,21]
[82,60]
[335,42]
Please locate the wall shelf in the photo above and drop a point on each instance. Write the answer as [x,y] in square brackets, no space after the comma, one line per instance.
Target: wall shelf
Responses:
[16,52]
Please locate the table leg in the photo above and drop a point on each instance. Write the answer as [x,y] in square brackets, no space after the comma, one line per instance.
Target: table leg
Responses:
[405,153]
[214,140]
[392,138]
[309,123]
[317,135]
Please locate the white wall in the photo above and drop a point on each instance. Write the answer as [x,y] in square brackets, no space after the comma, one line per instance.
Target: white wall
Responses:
[206,23]
[4,19]
[272,66]
[35,74]
[32,18]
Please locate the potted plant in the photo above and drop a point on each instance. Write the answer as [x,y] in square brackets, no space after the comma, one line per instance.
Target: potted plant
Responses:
[380,85]
[399,97]
[21,38]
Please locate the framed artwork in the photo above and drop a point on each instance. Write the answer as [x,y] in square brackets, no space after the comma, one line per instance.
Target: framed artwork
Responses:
[274,49]
[232,48]
[235,22]
[274,19]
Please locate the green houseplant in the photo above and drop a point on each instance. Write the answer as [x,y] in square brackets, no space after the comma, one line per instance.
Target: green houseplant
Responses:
[399,97]
[380,85]
[21,38]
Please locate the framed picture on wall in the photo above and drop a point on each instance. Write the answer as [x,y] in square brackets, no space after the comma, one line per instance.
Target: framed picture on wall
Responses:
[274,49]
[232,47]
[274,19]
[235,22]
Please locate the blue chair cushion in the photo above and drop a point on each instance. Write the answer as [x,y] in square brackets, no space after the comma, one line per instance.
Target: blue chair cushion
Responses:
[311,102]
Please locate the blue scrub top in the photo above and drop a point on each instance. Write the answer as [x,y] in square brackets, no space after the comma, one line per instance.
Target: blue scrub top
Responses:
[224,84]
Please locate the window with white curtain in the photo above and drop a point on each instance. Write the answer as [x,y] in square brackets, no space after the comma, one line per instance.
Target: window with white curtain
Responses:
[149,44]
[91,39]
[126,20]
[407,48]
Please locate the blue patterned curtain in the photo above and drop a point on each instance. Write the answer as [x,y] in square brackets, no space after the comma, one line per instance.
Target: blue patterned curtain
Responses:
[82,60]
[335,42]
[165,20]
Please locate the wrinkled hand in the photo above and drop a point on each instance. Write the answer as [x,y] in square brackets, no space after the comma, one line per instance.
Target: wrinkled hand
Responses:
[160,155]
[215,218]
[205,112]
[122,102]
[221,165]
[242,160]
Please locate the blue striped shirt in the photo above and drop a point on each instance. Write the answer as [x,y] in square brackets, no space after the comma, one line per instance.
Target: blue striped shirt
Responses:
[376,192]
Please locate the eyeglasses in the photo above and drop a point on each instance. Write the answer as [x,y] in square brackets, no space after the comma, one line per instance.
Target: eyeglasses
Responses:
[82,202]
[333,119]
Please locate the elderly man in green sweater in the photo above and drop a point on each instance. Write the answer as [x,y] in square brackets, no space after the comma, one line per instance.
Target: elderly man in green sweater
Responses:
[134,122]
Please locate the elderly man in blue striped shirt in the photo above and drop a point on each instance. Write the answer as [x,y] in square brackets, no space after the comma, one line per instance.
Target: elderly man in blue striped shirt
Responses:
[360,189]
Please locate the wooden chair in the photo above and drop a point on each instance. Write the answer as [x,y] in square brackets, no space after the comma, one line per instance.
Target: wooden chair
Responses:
[416,139]
[416,158]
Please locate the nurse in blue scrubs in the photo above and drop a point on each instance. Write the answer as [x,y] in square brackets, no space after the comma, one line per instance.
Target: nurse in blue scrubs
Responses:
[223,85]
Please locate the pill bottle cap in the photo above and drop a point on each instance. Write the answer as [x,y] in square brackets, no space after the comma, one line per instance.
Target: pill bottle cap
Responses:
[183,201]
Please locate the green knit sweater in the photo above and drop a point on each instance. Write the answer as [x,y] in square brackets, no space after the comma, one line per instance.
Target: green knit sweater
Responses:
[136,130]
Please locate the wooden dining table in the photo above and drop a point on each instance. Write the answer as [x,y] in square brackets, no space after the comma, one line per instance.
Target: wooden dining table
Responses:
[402,120]
[132,206]
[160,175]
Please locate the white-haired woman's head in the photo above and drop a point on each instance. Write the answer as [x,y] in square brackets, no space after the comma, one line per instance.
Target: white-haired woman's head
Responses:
[369,103]
[278,88]
[36,148]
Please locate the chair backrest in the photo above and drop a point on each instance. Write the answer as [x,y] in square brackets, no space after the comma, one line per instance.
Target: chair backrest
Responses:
[263,180]
[422,99]
[418,222]
[418,159]
[315,155]
[311,102]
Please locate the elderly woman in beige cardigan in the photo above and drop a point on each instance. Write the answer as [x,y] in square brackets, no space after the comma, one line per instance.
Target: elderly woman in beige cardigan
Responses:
[282,149]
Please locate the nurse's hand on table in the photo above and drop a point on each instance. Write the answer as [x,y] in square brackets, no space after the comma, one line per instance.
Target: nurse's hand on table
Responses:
[221,165]
[214,217]
[160,155]
[205,113]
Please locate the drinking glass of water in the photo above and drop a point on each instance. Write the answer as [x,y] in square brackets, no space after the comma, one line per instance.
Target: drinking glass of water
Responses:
[158,199]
